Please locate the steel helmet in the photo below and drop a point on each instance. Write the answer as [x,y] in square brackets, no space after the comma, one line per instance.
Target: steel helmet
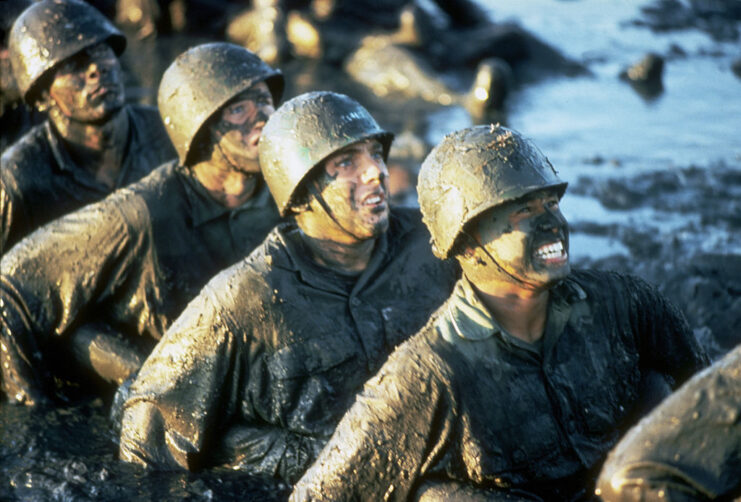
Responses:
[50,31]
[475,169]
[306,130]
[202,80]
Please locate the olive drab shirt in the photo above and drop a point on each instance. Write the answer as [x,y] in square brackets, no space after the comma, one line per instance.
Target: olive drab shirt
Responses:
[688,448]
[462,400]
[132,260]
[39,182]
[264,362]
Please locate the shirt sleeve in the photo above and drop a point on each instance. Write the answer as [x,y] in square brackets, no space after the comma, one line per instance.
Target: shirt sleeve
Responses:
[12,218]
[396,430]
[686,449]
[187,388]
[666,342]
[57,274]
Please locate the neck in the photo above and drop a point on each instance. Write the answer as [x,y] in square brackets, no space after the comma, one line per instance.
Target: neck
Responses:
[348,258]
[521,312]
[99,148]
[228,187]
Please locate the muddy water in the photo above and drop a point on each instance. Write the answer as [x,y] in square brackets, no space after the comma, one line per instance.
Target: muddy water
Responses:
[653,182]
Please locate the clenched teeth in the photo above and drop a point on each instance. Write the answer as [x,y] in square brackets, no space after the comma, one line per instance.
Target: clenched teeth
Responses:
[550,251]
[373,199]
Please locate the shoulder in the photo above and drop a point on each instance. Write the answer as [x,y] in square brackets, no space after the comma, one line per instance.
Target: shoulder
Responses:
[30,150]
[600,282]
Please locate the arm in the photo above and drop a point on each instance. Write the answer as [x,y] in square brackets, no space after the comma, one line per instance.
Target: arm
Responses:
[397,429]
[666,342]
[54,277]
[11,214]
[688,448]
[186,389]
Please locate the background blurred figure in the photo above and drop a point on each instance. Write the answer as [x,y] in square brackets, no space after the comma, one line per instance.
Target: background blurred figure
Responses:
[65,60]
[99,286]
[15,117]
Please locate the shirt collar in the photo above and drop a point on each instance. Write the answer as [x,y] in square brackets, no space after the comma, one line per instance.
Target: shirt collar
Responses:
[467,318]
[205,208]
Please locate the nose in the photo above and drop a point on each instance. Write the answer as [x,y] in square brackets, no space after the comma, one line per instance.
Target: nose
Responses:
[373,171]
[548,221]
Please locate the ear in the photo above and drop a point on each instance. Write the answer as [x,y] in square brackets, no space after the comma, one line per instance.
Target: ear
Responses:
[44,101]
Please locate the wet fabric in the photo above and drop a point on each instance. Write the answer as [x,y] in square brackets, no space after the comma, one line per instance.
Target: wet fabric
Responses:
[260,367]
[40,182]
[689,448]
[464,401]
[132,261]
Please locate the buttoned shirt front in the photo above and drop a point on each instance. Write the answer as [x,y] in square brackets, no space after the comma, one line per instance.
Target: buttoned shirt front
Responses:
[277,347]
[465,401]
[40,182]
[132,260]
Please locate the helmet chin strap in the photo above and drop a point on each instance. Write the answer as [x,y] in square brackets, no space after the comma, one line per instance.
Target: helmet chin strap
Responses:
[495,262]
[314,191]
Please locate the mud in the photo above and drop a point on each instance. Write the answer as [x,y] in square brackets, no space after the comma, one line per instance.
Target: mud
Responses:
[654,189]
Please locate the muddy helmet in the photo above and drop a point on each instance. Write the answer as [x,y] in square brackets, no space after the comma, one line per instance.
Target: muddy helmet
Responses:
[473,170]
[51,31]
[202,80]
[306,130]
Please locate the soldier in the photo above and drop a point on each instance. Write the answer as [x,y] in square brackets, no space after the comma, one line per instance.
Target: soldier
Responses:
[64,55]
[105,281]
[15,117]
[522,381]
[687,449]
[259,368]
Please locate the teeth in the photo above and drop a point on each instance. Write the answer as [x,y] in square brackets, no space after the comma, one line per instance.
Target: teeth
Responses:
[549,251]
[375,199]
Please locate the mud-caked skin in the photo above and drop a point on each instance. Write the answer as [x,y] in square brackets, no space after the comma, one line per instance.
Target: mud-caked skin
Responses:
[688,448]
[40,182]
[464,401]
[132,260]
[525,378]
[261,366]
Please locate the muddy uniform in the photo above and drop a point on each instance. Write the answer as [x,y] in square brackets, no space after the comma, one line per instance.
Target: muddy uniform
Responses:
[463,400]
[39,181]
[276,348]
[689,448]
[132,260]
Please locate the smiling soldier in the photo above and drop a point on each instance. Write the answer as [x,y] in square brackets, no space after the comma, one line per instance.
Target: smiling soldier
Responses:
[64,55]
[103,282]
[260,367]
[525,377]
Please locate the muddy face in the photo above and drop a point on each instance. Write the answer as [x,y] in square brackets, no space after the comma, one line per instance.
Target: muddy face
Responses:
[237,130]
[88,87]
[354,185]
[528,239]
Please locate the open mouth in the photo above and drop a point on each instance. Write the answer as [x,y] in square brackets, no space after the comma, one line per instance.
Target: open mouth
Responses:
[552,252]
[374,200]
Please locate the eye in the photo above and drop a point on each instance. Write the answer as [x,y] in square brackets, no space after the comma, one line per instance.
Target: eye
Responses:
[236,109]
[524,210]
[552,204]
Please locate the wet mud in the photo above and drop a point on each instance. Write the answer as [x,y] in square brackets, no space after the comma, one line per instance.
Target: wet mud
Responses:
[678,228]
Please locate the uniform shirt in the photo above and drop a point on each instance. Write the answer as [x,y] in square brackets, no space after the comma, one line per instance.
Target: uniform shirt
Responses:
[689,448]
[39,181]
[132,260]
[275,348]
[463,400]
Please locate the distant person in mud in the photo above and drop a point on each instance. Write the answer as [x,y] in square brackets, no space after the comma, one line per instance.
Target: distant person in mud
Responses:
[524,379]
[65,61]
[688,448]
[15,116]
[100,285]
[260,367]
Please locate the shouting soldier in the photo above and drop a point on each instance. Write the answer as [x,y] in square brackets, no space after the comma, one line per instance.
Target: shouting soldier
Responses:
[522,381]
[64,55]
[260,367]
[105,281]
